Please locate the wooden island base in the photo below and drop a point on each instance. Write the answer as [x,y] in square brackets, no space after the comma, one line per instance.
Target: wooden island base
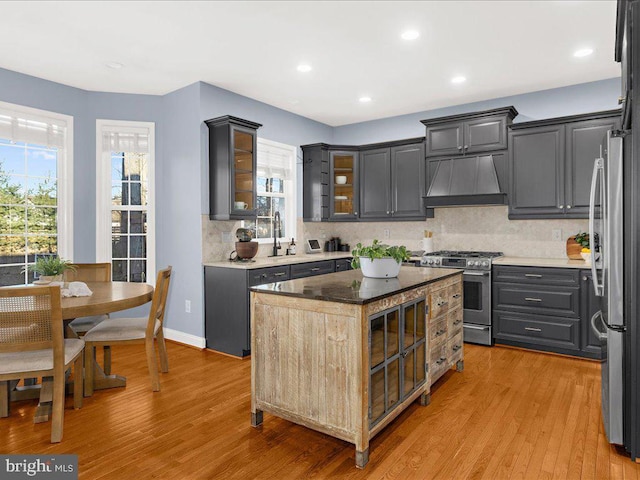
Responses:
[348,369]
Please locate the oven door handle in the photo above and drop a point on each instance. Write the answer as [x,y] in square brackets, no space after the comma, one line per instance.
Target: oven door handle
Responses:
[475,327]
[477,274]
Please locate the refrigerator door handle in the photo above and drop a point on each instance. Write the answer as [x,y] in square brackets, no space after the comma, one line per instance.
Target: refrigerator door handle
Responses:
[601,335]
[598,169]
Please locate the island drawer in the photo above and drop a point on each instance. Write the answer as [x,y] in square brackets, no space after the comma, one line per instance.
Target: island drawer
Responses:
[533,329]
[454,347]
[545,300]
[454,320]
[260,276]
[537,276]
[437,331]
[302,270]
[438,361]
[439,304]
[454,294]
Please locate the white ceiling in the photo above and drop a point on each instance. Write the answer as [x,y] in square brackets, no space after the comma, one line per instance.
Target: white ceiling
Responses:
[253,48]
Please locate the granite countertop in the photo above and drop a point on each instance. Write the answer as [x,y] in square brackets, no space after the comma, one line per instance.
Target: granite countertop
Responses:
[352,287]
[541,262]
[262,262]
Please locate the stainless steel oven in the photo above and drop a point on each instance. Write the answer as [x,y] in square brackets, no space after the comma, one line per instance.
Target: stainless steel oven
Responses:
[476,287]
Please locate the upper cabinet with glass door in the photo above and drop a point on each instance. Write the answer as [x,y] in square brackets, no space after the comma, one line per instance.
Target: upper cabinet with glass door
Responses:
[344,193]
[232,168]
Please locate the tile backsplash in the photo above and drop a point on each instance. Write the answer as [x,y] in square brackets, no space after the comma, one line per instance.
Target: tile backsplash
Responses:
[458,228]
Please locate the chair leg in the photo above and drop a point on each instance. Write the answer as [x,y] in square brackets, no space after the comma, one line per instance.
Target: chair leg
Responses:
[77,381]
[153,367]
[89,361]
[106,350]
[57,410]
[162,348]
[4,398]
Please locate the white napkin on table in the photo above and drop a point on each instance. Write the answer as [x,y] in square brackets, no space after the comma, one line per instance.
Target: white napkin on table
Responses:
[76,289]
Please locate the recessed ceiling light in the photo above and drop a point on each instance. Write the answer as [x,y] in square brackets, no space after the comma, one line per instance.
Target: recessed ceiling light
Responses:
[458,79]
[364,99]
[114,65]
[304,68]
[410,35]
[584,52]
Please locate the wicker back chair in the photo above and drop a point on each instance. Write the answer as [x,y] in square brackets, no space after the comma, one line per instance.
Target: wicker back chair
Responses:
[32,345]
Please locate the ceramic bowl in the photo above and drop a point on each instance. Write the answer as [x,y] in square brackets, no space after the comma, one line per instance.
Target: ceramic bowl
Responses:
[341,179]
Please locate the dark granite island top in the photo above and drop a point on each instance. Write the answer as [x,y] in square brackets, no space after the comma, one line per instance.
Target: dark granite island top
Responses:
[351,287]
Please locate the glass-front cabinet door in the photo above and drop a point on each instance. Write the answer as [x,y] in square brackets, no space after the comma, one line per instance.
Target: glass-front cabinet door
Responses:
[398,356]
[343,180]
[244,171]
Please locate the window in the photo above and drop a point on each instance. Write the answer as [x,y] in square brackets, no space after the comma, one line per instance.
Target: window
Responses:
[276,181]
[36,179]
[125,204]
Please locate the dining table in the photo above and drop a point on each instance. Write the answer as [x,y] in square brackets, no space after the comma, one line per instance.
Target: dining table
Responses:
[106,297]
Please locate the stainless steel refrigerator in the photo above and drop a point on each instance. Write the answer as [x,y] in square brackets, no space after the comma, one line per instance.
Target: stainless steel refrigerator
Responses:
[606,234]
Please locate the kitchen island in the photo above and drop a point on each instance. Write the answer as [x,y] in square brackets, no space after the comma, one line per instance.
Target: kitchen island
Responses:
[345,355]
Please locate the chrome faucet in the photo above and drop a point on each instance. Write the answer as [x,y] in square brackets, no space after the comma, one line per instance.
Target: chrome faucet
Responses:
[277,232]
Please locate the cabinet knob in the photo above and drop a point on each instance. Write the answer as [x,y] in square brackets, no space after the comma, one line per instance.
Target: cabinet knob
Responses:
[466,147]
[355,213]
[459,147]
[568,206]
[560,206]
[387,212]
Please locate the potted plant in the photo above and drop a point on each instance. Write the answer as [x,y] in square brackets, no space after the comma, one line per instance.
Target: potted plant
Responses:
[379,260]
[50,268]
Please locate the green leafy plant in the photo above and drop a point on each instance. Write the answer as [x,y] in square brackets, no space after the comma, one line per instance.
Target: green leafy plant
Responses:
[583,239]
[378,250]
[51,266]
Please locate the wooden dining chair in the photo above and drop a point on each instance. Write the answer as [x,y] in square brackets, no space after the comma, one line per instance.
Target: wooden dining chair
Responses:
[124,331]
[90,272]
[32,344]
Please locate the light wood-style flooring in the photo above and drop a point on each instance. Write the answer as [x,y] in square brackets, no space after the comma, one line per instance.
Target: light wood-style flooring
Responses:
[510,414]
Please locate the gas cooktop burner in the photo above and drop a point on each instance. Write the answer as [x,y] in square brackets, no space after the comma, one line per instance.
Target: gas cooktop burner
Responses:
[464,254]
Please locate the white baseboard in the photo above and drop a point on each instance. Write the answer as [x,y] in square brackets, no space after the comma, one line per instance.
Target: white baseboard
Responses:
[186,338]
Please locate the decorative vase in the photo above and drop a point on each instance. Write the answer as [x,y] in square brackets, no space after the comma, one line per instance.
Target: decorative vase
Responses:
[573,249]
[45,279]
[379,267]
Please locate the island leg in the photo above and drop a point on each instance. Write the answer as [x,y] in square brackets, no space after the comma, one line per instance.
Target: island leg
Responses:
[362,457]
[256,418]
[425,399]
[460,365]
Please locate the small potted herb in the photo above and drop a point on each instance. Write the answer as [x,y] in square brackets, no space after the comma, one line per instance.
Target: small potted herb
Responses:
[379,260]
[50,268]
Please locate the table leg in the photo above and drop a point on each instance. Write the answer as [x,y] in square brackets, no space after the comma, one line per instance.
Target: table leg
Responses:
[4,398]
[96,379]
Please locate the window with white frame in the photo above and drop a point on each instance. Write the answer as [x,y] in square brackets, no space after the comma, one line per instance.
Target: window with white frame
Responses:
[36,189]
[276,191]
[125,199]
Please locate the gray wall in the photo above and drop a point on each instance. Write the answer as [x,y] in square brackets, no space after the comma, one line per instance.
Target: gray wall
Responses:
[182,159]
[557,102]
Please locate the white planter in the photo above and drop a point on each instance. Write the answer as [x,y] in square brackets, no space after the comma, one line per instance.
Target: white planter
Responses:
[379,267]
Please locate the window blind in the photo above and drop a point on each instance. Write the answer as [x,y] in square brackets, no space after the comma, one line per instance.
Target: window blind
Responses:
[274,162]
[134,140]
[38,130]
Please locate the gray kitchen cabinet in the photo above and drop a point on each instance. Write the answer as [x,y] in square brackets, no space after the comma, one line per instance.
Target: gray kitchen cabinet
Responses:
[227,308]
[476,132]
[551,164]
[343,265]
[232,168]
[543,308]
[315,174]
[393,182]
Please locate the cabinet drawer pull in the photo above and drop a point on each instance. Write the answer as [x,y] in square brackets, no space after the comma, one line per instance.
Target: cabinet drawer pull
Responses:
[456,348]
[457,295]
[532,275]
[264,275]
[315,269]
[440,361]
[531,299]
[439,332]
[531,329]
[457,322]
[279,274]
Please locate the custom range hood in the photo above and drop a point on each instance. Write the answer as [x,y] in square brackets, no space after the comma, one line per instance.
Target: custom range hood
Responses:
[473,180]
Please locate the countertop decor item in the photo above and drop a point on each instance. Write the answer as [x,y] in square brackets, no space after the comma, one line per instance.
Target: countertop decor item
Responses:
[244,251]
[244,234]
[379,260]
[574,245]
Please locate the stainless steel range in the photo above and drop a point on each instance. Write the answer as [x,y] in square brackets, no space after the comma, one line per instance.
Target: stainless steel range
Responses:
[477,289]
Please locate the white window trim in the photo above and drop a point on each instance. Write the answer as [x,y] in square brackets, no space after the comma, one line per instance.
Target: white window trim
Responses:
[64,177]
[289,192]
[103,194]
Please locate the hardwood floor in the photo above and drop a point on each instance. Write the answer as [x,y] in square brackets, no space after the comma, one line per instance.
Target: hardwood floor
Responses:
[510,414]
